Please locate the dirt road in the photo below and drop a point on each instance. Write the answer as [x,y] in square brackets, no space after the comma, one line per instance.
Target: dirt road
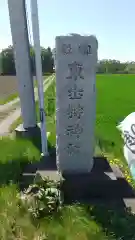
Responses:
[14,114]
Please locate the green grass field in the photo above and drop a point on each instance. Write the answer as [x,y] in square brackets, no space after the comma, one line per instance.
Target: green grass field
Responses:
[115,100]
[8,99]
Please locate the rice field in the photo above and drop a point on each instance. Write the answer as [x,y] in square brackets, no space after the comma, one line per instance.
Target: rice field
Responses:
[115,100]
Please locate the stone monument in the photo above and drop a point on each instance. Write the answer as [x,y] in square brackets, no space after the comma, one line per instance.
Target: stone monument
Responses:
[76,59]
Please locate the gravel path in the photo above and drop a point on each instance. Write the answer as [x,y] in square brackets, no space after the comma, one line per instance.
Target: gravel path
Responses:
[6,123]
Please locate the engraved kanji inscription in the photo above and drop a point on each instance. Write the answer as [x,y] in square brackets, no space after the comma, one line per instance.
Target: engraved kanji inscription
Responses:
[66,49]
[72,149]
[75,111]
[75,93]
[75,69]
[74,130]
[85,49]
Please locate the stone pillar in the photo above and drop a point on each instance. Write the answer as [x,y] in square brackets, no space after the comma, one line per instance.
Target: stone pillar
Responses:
[76,60]
[18,22]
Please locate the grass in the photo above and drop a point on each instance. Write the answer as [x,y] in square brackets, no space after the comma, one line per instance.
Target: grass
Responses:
[49,103]
[16,224]
[14,155]
[115,100]
[16,123]
[9,98]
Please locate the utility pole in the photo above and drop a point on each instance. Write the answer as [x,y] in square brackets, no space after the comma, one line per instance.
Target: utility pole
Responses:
[18,22]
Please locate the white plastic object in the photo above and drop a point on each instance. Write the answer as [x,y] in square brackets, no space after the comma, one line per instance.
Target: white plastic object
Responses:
[127,129]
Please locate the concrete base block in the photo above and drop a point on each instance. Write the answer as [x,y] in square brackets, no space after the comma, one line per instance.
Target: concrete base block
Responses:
[20,131]
[104,183]
[52,175]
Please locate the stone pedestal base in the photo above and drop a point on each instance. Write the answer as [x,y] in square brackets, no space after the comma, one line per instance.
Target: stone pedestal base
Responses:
[20,131]
[105,185]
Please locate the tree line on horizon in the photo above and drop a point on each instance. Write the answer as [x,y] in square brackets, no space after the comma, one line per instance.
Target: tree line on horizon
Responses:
[7,63]
[115,67]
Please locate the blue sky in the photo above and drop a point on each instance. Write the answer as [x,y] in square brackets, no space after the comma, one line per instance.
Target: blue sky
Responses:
[112,21]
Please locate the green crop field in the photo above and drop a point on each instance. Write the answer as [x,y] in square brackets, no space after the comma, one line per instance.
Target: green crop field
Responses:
[115,100]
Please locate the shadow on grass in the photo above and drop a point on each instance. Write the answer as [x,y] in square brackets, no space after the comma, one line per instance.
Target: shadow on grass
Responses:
[106,200]
[116,221]
[43,163]
[37,143]
[15,154]
[11,171]
[104,144]
[15,167]
[114,216]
